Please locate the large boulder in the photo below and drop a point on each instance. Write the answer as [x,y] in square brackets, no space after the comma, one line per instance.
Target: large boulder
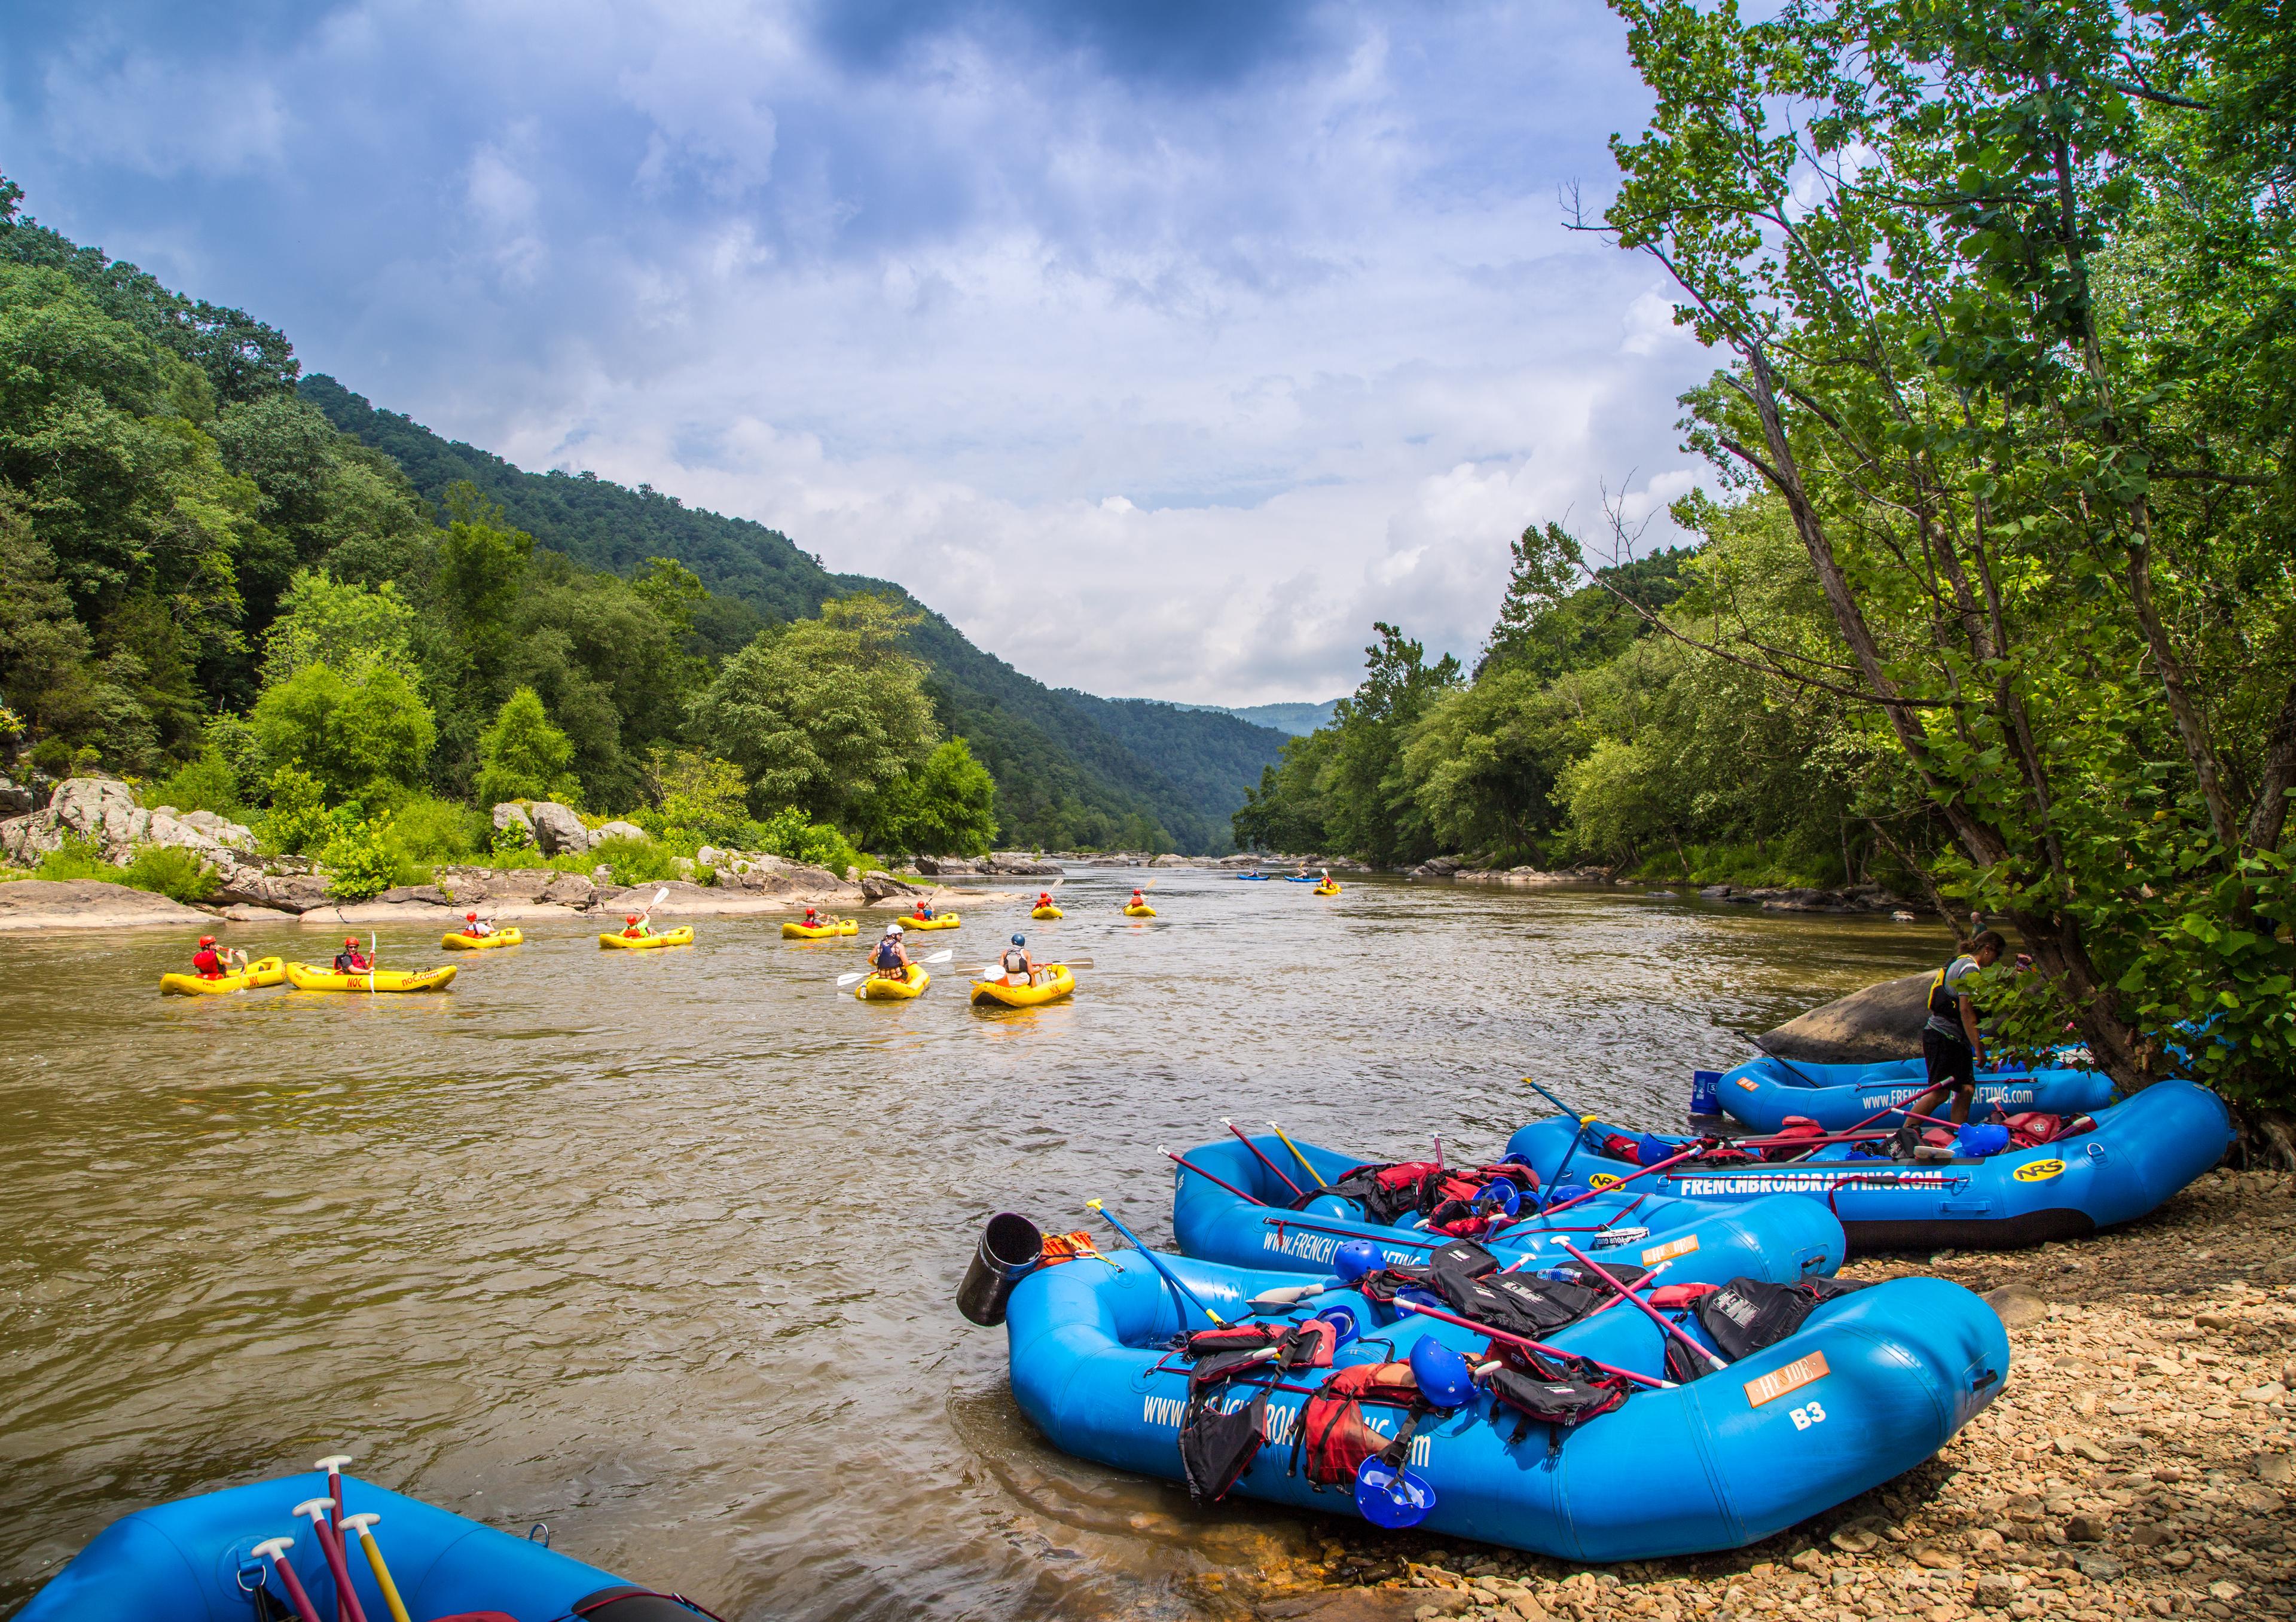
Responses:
[1881,1023]
[875,886]
[618,831]
[1014,865]
[87,904]
[510,813]
[105,811]
[557,830]
[16,800]
[287,892]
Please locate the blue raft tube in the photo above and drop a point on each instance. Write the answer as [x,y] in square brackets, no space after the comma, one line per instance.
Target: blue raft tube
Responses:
[1775,1240]
[1987,1196]
[1765,1090]
[197,1560]
[1871,1384]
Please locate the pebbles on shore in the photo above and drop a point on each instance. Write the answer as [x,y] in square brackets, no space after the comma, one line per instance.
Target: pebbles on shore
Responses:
[2140,1463]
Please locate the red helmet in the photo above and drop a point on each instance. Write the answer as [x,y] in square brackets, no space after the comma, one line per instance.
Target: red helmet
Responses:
[630,918]
[350,940]
[206,940]
[471,917]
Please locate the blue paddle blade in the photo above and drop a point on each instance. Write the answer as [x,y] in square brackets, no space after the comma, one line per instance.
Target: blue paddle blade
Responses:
[1390,1497]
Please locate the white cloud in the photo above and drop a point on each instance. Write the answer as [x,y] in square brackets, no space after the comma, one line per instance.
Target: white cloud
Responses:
[1162,379]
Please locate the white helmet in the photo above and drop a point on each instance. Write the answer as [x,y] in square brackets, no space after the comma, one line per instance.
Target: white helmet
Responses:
[893,929]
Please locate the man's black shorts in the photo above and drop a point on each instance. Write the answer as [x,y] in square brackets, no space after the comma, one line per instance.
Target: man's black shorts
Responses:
[1951,1063]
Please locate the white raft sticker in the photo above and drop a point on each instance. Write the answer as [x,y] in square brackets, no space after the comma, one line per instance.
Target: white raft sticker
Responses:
[1792,1377]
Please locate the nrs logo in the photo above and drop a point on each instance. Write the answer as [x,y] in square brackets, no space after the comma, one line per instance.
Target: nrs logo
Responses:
[2039,1171]
[1602,1180]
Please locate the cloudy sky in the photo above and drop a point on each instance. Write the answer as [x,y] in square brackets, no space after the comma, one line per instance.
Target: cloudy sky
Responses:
[1163,345]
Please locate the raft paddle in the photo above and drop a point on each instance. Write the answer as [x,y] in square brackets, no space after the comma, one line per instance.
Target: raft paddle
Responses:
[1550,1098]
[357,1526]
[1296,1155]
[1648,1311]
[844,981]
[1696,1148]
[370,962]
[274,1550]
[1153,1260]
[1257,1155]
[1206,1176]
[1577,1138]
[1530,1345]
[347,1603]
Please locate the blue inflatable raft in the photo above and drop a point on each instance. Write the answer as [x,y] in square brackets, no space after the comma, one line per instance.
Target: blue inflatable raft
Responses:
[1763,1091]
[1776,1240]
[2139,1153]
[195,1560]
[1871,1384]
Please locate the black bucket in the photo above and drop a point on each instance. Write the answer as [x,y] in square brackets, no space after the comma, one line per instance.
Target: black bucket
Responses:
[1009,1249]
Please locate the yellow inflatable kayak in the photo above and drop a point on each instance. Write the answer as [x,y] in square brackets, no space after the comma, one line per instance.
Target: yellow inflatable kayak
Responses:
[681,935]
[459,942]
[1047,912]
[1325,889]
[1139,911]
[835,926]
[947,920]
[877,988]
[304,978]
[262,971]
[1058,982]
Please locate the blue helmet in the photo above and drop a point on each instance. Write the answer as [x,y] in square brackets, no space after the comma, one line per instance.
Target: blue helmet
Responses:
[1020,940]
[1355,1258]
[1443,1376]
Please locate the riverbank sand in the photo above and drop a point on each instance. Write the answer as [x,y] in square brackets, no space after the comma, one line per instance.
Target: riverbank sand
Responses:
[2140,1463]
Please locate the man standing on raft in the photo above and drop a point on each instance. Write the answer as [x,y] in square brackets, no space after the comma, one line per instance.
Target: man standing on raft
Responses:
[1952,1046]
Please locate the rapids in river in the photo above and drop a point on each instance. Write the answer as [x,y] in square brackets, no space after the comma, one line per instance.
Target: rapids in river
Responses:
[660,1248]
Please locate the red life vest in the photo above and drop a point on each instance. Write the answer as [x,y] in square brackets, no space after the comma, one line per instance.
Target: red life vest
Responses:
[207,965]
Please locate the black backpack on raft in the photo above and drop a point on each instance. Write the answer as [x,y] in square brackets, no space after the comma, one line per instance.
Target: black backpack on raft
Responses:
[1746,1314]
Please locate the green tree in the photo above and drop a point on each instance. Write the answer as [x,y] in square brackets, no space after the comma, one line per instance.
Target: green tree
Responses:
[944,806]
[2002,304]
[1368,810]
[366,739]
[341,624]
[700,793]
[522,756]
[823,713]
[481,562]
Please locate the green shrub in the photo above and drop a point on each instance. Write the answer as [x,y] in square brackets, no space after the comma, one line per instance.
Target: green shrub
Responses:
[361,860]
[172,871]
[633,861]
[52,757]
[792,835]
[427,832]
[699,792]
[298,819]
[207,784]
[76,859]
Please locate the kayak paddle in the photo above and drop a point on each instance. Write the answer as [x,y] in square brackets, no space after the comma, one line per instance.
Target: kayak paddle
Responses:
[844,981]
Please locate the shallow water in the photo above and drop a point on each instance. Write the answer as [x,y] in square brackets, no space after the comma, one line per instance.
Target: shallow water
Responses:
[660,1248]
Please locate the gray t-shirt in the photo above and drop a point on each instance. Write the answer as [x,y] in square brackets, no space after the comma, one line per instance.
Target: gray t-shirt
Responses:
[1957,971]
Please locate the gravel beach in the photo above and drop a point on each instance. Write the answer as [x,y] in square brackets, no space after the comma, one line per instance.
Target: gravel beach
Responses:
[2139,1463]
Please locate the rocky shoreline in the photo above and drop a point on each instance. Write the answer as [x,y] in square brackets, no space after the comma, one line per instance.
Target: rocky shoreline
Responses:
[2140,1463]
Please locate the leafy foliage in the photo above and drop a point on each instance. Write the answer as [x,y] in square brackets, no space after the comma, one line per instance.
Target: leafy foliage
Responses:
[522,756]
[944,806]
[361,860]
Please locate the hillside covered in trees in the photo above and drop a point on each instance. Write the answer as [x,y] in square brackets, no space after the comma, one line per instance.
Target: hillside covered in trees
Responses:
[208,562]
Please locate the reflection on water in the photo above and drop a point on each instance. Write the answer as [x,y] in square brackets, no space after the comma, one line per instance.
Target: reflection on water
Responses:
[660,1248]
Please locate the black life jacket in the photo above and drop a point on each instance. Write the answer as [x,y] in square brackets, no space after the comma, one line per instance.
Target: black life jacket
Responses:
[888,955]
[1560,1398]
[1945,1003]
[1217,1447]
[1467,1278]
[1746,1314]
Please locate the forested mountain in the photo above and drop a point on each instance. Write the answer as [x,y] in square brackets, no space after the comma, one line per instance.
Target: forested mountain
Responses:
[1071,769]
[1292,720]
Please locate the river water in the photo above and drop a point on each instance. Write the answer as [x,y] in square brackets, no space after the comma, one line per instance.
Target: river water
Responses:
[660,1248]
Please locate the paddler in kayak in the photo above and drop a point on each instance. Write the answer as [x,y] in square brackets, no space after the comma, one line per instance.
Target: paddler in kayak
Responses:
[1044,897]
[210,965]
[891,958]
[1019,968]
[1139,897]
[813,920]
[350,959]
[924,913]
[635,928]
[472,928]
[1952,1046]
